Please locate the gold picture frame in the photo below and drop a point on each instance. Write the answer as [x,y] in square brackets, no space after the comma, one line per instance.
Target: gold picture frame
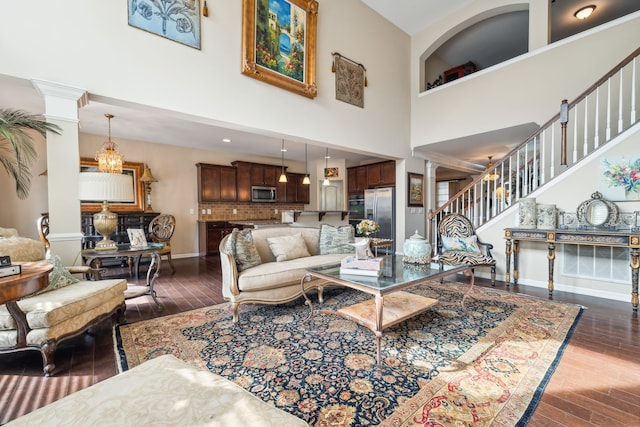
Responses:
[134,169]
[258,28]
[415,189]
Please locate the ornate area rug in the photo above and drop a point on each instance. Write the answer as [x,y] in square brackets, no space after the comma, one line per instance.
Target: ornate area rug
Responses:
[486,366]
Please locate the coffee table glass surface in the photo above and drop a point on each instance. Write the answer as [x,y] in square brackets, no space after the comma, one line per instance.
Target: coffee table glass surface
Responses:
[391,304]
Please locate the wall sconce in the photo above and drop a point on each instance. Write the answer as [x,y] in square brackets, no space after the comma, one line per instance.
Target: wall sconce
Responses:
[585,12]
[147,178]
[306,180]
[326,166]
[205,9]
[283,176]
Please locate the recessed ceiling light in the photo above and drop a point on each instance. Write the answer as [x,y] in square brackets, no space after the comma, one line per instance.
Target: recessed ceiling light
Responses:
[226,140]
[585,12]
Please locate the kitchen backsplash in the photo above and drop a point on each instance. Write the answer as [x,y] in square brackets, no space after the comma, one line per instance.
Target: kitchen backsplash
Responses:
[224,211]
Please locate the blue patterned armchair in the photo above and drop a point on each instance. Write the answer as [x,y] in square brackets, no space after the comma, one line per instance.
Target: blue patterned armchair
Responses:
[459,244]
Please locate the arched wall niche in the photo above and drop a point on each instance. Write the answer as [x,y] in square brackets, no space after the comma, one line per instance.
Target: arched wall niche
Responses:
[432,65]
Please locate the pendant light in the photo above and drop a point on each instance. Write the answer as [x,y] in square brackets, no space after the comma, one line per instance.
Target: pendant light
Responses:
[493,175]
[283,176]
[326,166]
[306,180]
[109,157]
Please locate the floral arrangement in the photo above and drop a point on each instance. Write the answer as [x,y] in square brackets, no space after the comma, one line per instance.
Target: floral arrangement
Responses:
[367,226]
[625,175]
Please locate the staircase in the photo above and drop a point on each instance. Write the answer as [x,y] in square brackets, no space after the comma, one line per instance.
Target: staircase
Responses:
[602,112]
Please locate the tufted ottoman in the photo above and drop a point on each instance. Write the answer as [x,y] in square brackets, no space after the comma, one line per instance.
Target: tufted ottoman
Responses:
[163,391]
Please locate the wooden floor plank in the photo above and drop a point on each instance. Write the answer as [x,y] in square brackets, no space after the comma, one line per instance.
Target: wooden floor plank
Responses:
[596,383]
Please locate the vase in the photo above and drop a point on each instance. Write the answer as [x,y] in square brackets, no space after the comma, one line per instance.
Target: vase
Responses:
[546,218]
[362,249]
[527,211]
[416,250]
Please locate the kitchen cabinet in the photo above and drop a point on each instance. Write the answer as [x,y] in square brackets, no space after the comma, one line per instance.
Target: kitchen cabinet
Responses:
[216,183]
[295,191]
[210,235]
[356,179]
[381,174]
[250,174]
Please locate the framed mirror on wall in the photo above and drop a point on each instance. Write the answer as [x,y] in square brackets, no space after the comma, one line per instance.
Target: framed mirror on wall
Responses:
[134,169]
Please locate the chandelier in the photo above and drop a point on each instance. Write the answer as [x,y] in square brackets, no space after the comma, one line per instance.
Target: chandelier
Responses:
[109,157]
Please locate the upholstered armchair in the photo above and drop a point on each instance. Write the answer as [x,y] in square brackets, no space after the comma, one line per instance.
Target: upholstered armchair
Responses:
[459,244]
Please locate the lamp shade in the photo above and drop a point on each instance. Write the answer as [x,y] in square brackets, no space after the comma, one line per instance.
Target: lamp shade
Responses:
[98,187]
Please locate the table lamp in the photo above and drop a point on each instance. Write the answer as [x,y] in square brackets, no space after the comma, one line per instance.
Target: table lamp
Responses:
[105,187]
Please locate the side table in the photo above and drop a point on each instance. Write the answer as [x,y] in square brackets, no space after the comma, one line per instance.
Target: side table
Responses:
[34,277]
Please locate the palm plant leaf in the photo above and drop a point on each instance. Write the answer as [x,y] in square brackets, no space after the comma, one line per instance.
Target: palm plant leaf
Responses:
[17,151]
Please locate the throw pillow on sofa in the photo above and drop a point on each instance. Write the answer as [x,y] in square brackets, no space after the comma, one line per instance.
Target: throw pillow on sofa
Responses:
[335,240]
[59,276]
[288,247]
[241,246]
[460,244]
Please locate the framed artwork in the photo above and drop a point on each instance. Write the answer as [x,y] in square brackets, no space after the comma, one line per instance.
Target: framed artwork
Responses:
[415,189]
[177,20]
[130,168]
[137,237]
[331,172]
[620,178]
[279,43]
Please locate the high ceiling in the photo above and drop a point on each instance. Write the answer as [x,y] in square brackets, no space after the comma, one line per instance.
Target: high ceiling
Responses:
[149,124]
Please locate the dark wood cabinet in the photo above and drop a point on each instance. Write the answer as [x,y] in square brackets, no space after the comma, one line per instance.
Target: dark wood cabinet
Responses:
[294,190]
[381,174]
[250,174]
[356,179]
[216,183]
[211,234]
[126,220]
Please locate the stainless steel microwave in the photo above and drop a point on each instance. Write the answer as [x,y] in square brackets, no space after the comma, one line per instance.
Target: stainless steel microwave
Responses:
[263,194]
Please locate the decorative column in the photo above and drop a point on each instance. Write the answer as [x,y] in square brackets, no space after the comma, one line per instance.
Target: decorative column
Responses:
[63,167]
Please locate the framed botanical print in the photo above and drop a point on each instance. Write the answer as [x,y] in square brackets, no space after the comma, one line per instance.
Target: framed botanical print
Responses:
[134,169]
[279,43]
[415,189]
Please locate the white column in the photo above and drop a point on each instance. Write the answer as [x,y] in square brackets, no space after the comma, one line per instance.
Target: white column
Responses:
[63,167]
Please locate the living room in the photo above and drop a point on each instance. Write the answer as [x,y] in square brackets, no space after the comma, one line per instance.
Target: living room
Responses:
[118,64]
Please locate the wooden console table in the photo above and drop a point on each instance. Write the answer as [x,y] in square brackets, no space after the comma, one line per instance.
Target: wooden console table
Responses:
[618,239]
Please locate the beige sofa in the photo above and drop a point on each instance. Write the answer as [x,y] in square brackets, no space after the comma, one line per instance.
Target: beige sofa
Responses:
[272,281]
[66,308]
[20,248]
[163,391]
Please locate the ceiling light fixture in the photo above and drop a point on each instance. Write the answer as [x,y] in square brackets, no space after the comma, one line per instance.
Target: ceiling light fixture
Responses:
[306,180]
[283,176]
[109,157]
[491,176]
[326,168]
[585,12]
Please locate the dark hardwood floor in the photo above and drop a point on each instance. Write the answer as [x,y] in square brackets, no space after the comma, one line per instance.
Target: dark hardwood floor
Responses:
[597,382]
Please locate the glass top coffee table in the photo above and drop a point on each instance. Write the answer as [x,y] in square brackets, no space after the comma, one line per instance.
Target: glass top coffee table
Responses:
[391,303]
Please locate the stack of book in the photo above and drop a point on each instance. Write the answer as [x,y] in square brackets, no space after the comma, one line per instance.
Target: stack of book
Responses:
[8,269]
[361,267]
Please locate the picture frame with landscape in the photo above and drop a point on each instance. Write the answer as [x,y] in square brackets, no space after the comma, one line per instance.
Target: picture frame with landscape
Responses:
[134,169]
[415,189]
[279,43]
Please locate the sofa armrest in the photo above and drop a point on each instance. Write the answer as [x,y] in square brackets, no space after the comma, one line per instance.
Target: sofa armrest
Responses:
[229,269]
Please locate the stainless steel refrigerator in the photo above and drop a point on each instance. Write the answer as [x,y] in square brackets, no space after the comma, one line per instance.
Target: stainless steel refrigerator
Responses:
[380,206]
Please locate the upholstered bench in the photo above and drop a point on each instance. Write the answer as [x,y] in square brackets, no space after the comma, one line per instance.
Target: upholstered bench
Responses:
[66,308]
[163,391]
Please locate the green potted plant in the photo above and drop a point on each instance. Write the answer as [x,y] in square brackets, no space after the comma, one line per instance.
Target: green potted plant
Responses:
[17,151]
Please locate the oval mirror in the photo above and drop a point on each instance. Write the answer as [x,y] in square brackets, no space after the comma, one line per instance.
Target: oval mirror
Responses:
[597,213]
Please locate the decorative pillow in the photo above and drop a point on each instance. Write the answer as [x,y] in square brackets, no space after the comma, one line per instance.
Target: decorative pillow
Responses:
[288,247]
[335,240]
[461,244]
[240,244]
[59,276]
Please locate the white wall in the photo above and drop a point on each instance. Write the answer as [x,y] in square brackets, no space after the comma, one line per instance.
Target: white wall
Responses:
[526,89]
[88,44]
